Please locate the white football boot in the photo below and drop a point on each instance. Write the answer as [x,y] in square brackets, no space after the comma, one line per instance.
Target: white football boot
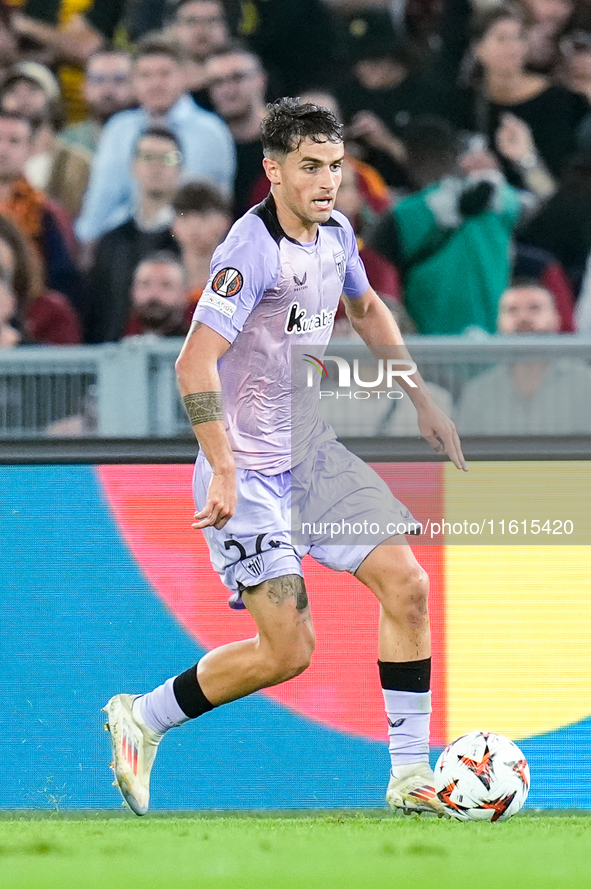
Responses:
[134,749]
[412,789]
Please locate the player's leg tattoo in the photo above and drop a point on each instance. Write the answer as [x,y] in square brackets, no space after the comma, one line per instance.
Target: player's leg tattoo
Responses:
[302,598]
[280,589]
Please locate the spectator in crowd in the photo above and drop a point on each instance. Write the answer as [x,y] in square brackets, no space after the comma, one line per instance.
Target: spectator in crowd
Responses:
[201,222]
[42,316]
[547,21]
[387,87]
[156,171]
[575,63]
[144,16]
[450,240]
[532,396]
[107,90]
[538,265]
[59,170]
[583,308]
[200,27]
[562,226]
[8,39]
[237,85]
[504,98]
[65,34]
[29,89]
[207,146]
[383,277]
[9,334]
[30,210]
[159,298]
[296,42]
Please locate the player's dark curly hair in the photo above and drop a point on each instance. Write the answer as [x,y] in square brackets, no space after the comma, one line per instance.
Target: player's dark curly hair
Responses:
[288,122]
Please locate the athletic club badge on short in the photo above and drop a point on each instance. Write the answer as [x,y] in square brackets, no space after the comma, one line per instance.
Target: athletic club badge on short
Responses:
[254,565]
[227,282]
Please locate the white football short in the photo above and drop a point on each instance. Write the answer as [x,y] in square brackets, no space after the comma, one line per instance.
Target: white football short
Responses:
[331,506]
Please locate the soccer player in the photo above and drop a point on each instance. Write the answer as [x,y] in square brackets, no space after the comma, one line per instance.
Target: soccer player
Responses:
[275,282]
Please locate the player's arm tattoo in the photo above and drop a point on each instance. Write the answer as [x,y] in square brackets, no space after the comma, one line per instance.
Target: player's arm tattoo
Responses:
[203,407]
[291,586]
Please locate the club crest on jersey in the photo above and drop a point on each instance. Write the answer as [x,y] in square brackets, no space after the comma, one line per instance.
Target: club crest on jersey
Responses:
[298,321]
[340,264]
[227,282]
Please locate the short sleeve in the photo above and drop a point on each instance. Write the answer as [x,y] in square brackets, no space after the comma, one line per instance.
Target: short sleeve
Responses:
[242,269]
[356,282]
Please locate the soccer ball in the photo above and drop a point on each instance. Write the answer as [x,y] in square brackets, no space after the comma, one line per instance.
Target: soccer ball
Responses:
[482,777]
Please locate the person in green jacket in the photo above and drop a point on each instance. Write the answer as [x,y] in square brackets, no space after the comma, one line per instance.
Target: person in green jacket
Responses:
[451,238]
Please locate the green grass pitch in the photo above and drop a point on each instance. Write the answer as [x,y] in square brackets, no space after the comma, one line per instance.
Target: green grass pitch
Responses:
[324,850]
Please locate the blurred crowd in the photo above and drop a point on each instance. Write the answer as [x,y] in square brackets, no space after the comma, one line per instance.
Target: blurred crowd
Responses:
[129,143]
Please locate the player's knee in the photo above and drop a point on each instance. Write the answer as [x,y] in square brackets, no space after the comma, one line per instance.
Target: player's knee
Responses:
[409,601]
[416,597]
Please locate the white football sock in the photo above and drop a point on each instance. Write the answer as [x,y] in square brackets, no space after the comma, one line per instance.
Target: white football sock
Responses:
[159,708]
[409,715]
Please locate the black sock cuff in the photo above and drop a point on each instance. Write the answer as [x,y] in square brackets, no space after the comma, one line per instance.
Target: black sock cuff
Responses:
[406,675]
[189,695]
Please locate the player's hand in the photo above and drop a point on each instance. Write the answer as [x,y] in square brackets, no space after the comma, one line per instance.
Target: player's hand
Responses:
[220,504]
[437,428]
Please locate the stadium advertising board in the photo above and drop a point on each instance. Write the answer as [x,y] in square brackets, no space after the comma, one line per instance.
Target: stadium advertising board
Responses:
[106,588]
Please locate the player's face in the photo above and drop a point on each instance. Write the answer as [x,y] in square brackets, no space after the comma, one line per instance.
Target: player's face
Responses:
[528,310]
[306,182]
